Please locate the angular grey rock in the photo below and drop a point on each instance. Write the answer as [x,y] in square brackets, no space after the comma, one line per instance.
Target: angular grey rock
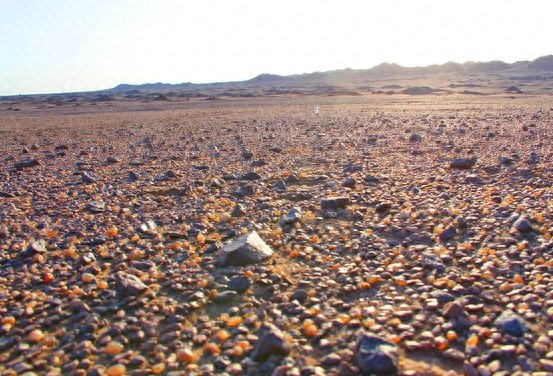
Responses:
[245,190]
[373,355]
[349,182]
[96,206]
[415,137]
[431,261]
[128,285]
[247,249]
[271,342]
[511,323]
[463,163]
[239,284]
[34,247]
[523,224]
[333,203]
[251,176]
[280,185]
[294,215]
[89,177]
[448,234]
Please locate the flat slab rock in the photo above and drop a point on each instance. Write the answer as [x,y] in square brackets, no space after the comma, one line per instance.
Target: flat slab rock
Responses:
[246,250]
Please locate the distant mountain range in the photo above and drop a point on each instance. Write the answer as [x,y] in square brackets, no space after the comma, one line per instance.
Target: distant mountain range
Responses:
[343,77]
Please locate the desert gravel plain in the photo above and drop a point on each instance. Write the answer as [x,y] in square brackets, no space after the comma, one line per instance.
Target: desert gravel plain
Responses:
[400,234]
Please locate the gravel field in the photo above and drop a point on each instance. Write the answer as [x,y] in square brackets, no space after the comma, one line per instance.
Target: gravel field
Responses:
[383,235]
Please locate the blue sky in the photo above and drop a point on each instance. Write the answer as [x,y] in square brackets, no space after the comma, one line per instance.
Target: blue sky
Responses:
[66,45]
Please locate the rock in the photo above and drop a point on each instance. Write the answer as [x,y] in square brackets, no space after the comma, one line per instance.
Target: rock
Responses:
[148,228]
[96,206]
[89,177]
[239,210]
[225,296]
[113,160]
[511,323]
[523,224]
[239,284]
[25,163]
[352,167]
[300,295]
[334,203]
[415,137]
[505,161]
[294,215]
[349,183]
[373,355]
[454,310]
[280,185]
[271,342]
[448,234]
[247,249]
[371,179]
[251,176]
[34,247]
[245,190]
[431,261]
[247,155]
[463,163]
[383,207]
[128,285]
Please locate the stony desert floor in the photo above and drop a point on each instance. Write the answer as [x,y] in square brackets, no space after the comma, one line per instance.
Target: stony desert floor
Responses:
[410,235]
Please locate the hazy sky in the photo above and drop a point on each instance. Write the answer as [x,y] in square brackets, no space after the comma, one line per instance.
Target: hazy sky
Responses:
[77,45]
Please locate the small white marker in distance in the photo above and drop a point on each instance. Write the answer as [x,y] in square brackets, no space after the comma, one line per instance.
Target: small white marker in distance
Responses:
[317,110]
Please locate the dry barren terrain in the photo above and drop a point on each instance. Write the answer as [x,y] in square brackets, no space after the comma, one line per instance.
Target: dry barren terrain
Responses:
[408,235]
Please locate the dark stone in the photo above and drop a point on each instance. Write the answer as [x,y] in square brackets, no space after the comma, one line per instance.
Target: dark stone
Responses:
[374,355]
[523,224]
[280,185]
[300,295]
[239,284]
[383,207]
[349,183]
[32,162]
[463,163]
[251,176]
[333,203]
[448,234]
[247,155]
[245,190]
[271,342]
[511,323]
